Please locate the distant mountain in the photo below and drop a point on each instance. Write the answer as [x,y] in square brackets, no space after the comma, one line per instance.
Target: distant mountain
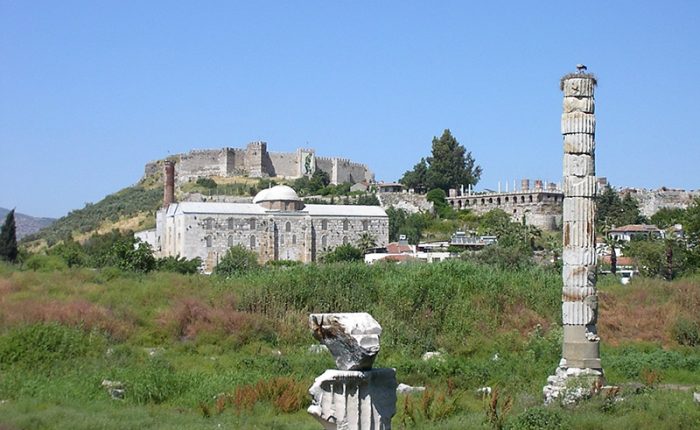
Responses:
[26,224]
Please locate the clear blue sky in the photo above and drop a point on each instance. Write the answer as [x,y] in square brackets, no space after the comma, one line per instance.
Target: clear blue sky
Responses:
[90,91]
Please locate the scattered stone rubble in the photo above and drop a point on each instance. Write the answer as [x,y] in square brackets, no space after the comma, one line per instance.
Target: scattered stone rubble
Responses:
[355,396]
[115,389]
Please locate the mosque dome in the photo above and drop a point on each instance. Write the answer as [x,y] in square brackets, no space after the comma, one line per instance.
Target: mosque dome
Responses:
[278,193]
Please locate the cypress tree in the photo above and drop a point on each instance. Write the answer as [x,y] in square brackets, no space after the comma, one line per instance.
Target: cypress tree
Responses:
[8,239]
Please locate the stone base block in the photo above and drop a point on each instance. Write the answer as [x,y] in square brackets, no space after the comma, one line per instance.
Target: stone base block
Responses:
[581,347]
[570,384]
[354,399]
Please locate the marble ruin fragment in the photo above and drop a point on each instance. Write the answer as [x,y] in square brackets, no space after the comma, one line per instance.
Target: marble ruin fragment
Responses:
[352,338]
[354,396]
[579,370]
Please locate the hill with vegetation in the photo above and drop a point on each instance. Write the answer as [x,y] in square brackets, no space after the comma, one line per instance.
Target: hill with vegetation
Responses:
[200,351]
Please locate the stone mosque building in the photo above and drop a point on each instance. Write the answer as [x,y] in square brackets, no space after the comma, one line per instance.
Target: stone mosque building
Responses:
[277,225]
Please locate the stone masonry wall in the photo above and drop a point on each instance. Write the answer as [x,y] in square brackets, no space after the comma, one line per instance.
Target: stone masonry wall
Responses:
[279,236]
[256,161]
[539,208]
[650,201]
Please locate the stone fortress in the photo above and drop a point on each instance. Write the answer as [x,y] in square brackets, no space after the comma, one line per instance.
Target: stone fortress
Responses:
[256,162]
[539,206]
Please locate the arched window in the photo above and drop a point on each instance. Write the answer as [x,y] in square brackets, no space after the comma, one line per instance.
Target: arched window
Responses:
[208,241]
[522,199]
[252,242]
[345,240]
[230,223]
[252,223]
[365,225]
[498,200]
[281,239]
[490,199]
[230,241]
[530,198]
[324,224]
[294,239]
[209,223]
[506,199]
[324,241]
[288,227]
[346,224]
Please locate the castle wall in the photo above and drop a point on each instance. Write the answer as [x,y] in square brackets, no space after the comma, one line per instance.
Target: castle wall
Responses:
[325,164]
[542,209]
[285,164]
[207,162]
[255,161]
[650,201]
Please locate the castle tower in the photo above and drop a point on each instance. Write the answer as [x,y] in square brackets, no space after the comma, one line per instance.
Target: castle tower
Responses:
[169,186]
[580,351]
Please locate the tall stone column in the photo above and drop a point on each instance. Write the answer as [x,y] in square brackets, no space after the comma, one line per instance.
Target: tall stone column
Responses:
[580,351]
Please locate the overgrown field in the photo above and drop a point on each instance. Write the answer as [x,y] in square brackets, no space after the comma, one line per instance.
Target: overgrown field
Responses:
[199,352]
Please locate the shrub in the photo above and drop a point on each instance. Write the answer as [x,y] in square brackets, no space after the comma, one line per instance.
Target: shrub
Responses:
[41,345]
[342,253]
[45,263]
[538,418]
[179,265]
[155,382]
[686,332]
[238,260]
[206,183]
[286,395]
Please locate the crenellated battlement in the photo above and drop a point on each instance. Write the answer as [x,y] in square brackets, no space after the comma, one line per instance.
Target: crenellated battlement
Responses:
[254,160]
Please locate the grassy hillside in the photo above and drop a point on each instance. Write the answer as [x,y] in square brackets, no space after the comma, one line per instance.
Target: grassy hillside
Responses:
[132,202]
[198,352]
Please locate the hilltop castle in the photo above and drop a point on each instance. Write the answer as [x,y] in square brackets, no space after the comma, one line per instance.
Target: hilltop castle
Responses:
[256,162]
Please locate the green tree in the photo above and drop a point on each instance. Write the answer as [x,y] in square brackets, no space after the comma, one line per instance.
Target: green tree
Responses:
[613,243]
[416,178]
[668,217]
[366,242]
[615,211]
[438,198]
[238,260]
[450,164]
[132,255]
[342,253]
[71,252]
[8,239]
[179,265]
